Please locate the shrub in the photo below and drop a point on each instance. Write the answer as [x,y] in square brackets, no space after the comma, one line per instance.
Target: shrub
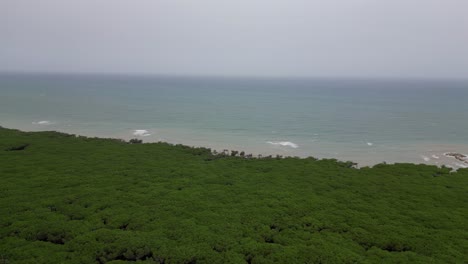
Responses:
[135,141]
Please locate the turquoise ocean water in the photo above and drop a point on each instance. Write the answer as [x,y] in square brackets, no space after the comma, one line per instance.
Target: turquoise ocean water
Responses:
[367,121]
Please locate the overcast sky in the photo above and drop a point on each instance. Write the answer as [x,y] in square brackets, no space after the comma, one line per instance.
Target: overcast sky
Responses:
[313,38]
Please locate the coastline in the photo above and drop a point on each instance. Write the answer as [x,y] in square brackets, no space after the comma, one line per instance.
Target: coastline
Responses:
[70,197]
[368,122]
[370,154]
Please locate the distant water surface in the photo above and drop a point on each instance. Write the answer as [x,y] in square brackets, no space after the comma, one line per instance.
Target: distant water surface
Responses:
[367,121]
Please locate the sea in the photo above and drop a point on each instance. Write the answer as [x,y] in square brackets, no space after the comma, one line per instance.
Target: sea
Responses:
[368,121]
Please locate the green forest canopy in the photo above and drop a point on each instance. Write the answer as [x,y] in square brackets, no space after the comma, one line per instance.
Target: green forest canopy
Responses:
[69,199]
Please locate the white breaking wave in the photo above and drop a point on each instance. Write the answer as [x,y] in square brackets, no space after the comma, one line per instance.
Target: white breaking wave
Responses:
[283,143]
[141,133]
[43,123]
[461,165]
[425,158]
[370,143]
[435,156]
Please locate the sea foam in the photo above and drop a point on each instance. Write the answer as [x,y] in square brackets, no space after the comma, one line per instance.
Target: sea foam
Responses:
[283,143]
[461,165]
[141,133]
[43,123]
[425,158]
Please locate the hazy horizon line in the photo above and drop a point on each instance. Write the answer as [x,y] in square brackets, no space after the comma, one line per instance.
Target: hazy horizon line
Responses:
[214,76]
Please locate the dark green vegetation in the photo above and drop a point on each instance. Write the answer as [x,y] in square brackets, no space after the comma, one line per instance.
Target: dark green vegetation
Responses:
[67,199]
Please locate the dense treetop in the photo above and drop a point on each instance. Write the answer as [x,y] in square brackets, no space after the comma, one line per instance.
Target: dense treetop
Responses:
[68,199]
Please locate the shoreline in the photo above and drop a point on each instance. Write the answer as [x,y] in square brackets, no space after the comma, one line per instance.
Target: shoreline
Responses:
[367,122]
[437,154]
[73,197]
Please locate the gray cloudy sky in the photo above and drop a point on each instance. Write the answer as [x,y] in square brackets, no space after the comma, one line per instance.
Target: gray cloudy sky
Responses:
[315,38]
